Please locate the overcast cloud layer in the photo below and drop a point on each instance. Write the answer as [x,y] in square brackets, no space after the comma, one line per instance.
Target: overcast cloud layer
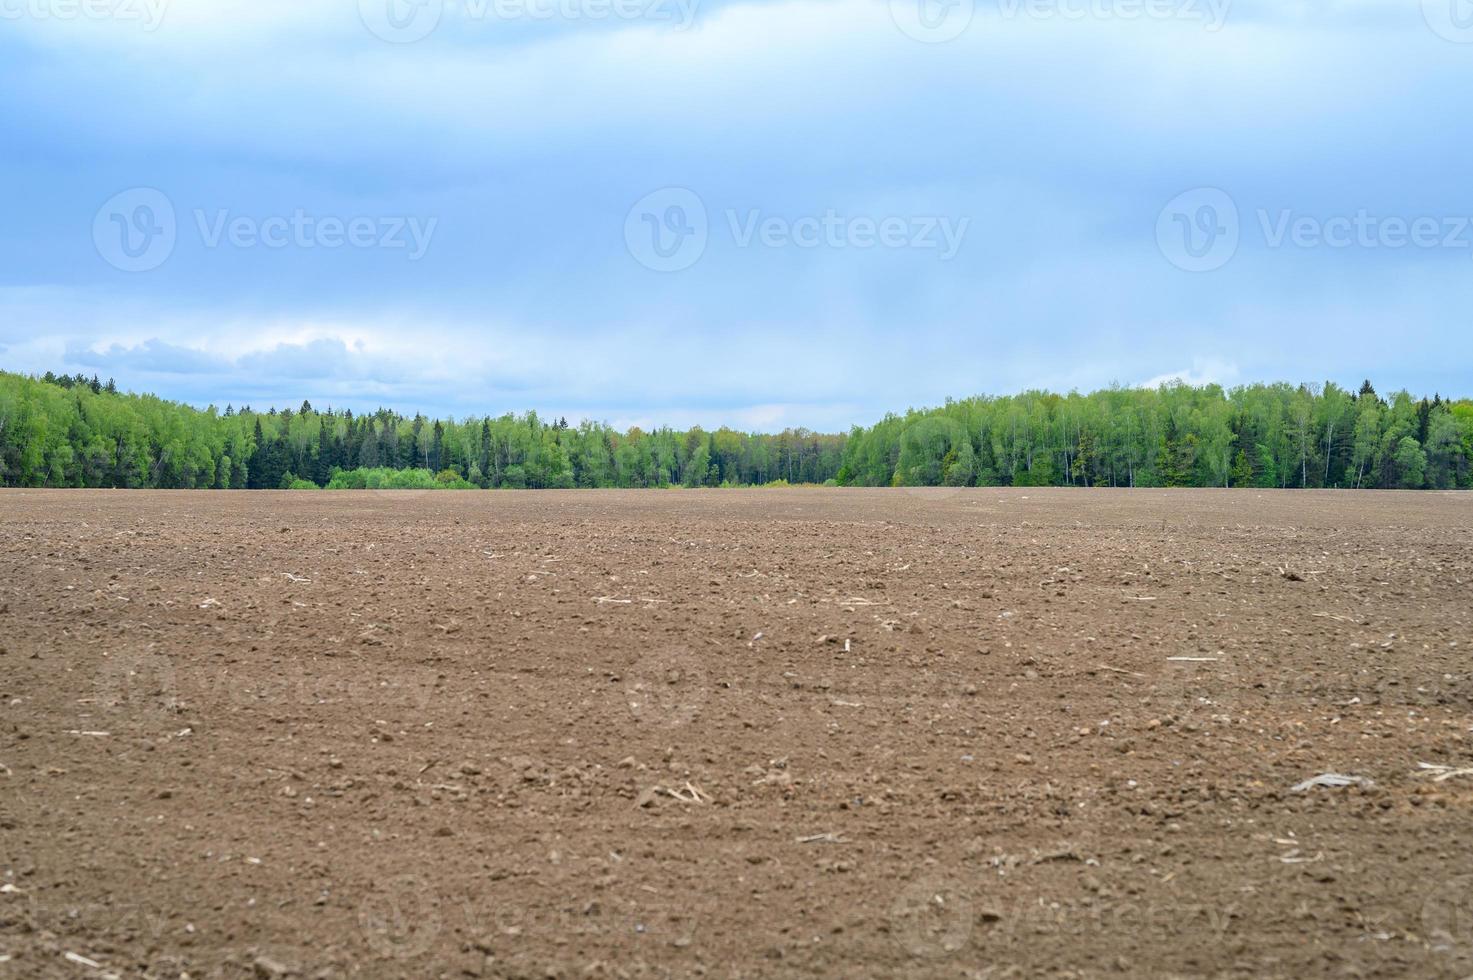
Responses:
[758,214]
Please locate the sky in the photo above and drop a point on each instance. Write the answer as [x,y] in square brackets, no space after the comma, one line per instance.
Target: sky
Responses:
[757,214]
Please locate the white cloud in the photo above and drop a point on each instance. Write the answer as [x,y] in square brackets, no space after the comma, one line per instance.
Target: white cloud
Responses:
[1204,371]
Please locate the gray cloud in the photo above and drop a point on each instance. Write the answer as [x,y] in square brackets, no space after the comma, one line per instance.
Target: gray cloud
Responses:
[152,356]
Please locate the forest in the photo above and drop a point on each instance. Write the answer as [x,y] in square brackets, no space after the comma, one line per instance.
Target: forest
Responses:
[73,431]
[1261,435]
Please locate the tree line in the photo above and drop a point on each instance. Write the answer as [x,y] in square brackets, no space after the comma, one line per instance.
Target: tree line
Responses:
[73,431]
[1277,435]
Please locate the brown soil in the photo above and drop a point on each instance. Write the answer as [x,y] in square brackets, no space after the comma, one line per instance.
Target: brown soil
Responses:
[735,734]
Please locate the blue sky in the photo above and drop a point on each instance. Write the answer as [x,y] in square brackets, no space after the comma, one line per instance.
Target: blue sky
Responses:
[749,213]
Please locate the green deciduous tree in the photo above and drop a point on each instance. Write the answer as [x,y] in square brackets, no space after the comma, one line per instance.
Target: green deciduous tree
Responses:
[73,431]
